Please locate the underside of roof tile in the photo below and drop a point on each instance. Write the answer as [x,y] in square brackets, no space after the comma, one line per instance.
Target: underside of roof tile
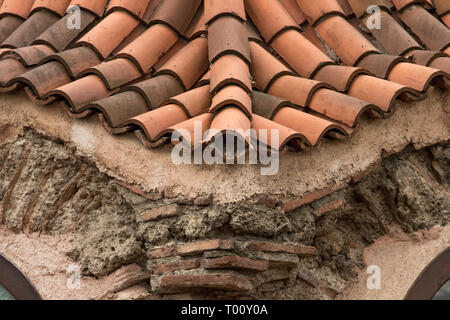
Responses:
[306,69]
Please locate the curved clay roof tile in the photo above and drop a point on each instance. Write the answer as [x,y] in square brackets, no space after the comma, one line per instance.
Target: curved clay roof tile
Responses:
[340,77]
[230,69]
[189,64]
[266,105]
[115,73]
[294,10]
[227,35]
[349,44]
[360,7]
[119,108]
[75,60]
[379,92]
[218,8]
[270,17]
[415,76]
[402,4]
[265,68]
[232,95]
[149,47]
[230,121]
[136,8]
[59,37]
[286,136]
[300,53]
[57,6]
[392,36]
[442,6]
[157,122]
[109,33]
[311,127]
[340,107]
[429,29]
[176,13]
[194,102]
[318,9]
[380,64]
[296,90]
[95,6]
[8,24]
[29,56]
[158,89]
[188,126]
[20,8]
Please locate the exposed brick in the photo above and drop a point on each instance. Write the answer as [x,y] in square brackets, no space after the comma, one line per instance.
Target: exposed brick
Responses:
[366,172]
[210,281]
[150,196]
[208,245]
[303,251]
[236,262]
[328,207]
[204,201]
[176,266]
[161,253]
[266,201]
[311,197]
[160,213]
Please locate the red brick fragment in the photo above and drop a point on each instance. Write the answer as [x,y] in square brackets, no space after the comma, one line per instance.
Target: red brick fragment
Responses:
[366,172]
[303,251]
[160,213]
[176,266]
[208,245]
[311,197]
[328,207]
[210,281]
[236,262]
[161,253]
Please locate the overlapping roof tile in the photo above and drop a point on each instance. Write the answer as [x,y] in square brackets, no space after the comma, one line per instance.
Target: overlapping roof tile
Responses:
[307,69]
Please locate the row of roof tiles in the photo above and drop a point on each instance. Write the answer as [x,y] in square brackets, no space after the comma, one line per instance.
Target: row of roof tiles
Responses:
[310,69]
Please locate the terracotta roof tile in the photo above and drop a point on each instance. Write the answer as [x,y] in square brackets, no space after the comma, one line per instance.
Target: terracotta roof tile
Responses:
[117,109]
[286,136]
[414,76]
[265,68]
[318,9]
[188,126]
[340,77]
[157,90]
[296,90]
[292,7]
[189,64]
[301,54]
[109,33]
[359,7]
[157,122]
[57,6]
[82,92]
[218,8]
[380,64]
[115,73]
[228,35]
[95,6]
[430,30]
[270,10]
[176,13]
[310,126]
[147,49]
[402,4]
[136,8]
[134,65]
[350,45]
[27,32]
[59,37]
[18,8]
[441,6]
[8,24]
[446,19]
[194,102]
[340,107]
[230,69]
[75,60]
[392,36]
[232,95]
